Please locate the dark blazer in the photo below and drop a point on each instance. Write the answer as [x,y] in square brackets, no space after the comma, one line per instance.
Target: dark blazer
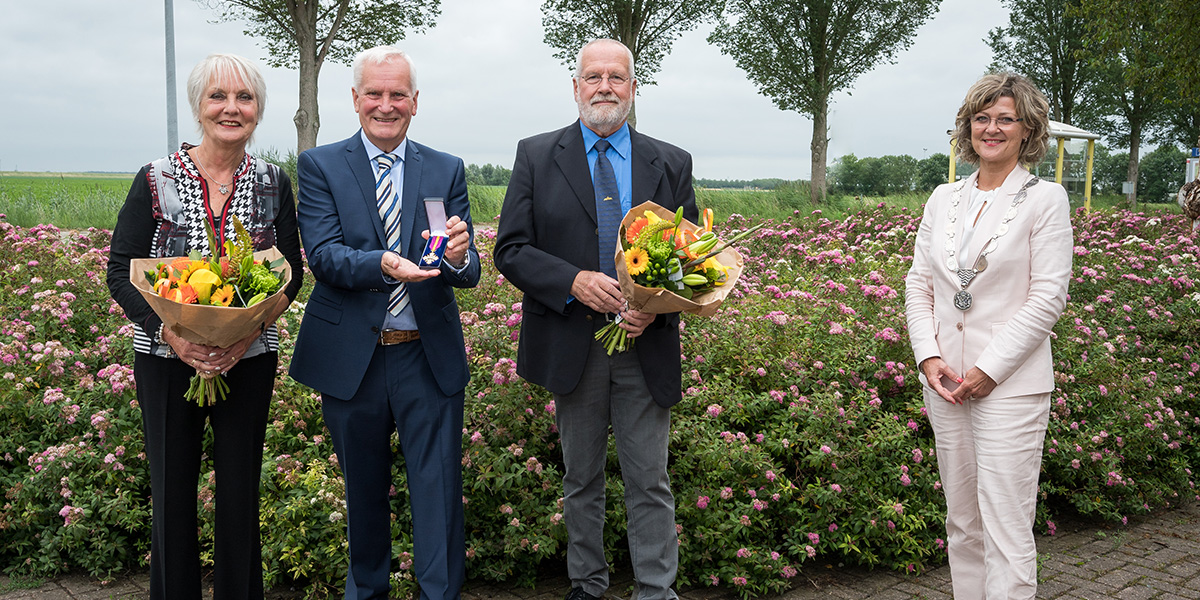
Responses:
[344,241]
[547,234]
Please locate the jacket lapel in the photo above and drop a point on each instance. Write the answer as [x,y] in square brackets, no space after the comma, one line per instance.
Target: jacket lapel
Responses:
[646,167]
[571,159]
[413,165]
[361,168]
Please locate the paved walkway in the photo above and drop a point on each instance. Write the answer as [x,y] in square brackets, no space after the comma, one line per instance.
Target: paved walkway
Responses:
[1155,557]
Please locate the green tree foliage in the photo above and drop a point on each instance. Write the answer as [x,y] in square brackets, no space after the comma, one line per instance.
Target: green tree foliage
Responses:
[1161,174]
[1108,170]
[1167,29]
[1128,97]
[304,33]
[877,176]
[1041,41]
[1180,125]
[487,175]
[646,27]
[932,171]
[799,52]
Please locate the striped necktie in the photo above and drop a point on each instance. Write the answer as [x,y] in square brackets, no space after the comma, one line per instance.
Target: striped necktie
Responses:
[389,211]
[608,209]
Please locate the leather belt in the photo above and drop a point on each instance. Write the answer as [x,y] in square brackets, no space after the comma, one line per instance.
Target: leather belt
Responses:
[391,337]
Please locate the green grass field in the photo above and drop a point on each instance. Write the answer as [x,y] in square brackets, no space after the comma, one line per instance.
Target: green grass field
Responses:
[68,200]
[82,200]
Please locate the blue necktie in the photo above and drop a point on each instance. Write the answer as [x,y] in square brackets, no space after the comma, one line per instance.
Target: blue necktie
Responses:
[389,211]
[608,209]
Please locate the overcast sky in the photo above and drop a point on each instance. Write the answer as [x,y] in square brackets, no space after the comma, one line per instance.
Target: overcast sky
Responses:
[82,88]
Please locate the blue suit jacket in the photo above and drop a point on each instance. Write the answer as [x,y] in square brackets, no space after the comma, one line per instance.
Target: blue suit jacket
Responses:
[344,242]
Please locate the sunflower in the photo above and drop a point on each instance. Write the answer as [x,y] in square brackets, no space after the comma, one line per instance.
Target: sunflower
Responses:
[636,261]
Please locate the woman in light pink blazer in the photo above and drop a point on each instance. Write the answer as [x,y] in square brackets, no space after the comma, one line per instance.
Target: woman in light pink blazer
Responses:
[987,284]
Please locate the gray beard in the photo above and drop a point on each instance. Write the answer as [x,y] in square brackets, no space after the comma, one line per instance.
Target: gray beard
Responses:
[603,118]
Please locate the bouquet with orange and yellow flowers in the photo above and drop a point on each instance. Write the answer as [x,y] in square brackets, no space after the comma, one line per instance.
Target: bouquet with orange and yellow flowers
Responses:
[668,264]
[213,301]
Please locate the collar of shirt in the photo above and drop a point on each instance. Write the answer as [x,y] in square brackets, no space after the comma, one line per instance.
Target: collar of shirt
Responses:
[619,155]
[397,173]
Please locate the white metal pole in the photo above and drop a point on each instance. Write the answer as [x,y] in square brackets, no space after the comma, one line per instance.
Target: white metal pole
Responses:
[172,117]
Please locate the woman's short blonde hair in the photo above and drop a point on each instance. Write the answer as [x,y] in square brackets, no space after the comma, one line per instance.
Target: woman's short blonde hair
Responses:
[1032,108]
[220,66]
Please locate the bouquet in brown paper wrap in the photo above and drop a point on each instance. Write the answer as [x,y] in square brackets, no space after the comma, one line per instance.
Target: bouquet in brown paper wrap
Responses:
[667,264]
[213,301]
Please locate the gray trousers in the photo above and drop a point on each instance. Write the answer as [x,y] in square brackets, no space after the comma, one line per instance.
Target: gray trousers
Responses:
[613,391]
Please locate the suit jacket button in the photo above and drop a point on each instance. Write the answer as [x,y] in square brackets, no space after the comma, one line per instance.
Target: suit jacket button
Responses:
[374,330]
[597,231]
[958,326]
[589,317]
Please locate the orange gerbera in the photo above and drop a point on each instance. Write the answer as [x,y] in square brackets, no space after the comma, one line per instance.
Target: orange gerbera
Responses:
[636,261]
[632,232]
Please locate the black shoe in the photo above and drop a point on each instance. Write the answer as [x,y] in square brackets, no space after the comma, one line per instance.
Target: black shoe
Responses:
[579,594]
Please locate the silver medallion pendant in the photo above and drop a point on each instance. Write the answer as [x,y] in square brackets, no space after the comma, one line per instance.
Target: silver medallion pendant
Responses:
[962,300]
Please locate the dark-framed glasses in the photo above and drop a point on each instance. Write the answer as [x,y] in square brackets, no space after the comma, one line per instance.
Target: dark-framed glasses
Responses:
[613,80]
[983,121]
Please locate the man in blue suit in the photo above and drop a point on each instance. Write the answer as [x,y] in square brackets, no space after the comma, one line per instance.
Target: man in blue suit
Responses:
[381,338]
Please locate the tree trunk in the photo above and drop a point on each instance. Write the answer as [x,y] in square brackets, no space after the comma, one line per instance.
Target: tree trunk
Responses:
[1135,142]
[307,119]
[308,116]
[820,144]
[632,113]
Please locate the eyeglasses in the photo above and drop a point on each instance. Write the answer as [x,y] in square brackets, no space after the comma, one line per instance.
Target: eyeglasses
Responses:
[613,80]
[984,121]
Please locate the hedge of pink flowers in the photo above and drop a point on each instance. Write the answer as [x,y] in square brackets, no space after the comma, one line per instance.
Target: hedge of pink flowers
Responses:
[800,441]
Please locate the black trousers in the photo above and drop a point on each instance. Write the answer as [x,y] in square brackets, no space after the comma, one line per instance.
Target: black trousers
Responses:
[174,431]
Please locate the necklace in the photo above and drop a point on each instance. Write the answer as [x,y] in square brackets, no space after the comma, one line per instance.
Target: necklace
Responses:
[222,187]
[962,299]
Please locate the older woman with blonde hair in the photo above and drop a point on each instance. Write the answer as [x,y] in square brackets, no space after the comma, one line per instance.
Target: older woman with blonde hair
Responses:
[988,282]
[169,204]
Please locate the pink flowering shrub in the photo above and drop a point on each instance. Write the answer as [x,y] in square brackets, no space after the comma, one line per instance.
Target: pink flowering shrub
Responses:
[800,439]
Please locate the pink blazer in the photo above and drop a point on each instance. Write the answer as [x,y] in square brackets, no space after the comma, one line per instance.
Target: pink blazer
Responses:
[1016,300]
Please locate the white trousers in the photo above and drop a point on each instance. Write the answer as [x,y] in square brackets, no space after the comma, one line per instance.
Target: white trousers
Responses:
[989,454]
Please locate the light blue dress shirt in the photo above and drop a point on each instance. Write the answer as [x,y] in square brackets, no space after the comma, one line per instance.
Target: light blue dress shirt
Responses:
[618,154]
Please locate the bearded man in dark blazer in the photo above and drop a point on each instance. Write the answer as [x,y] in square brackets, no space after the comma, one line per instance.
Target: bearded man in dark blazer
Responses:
[562,194]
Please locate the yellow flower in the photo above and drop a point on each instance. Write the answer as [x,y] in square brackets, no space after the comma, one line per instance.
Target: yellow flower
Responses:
[636,261]
[651,218]
[222,296]
[712,263]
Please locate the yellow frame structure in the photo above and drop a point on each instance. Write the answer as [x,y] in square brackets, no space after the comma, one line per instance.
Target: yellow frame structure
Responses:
[1060,132]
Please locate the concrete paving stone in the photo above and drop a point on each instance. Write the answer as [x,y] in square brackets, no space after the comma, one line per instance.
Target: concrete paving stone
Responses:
[1186,568]
[923,592]
[1120,578]
[1168,556]
[1148,563]
[1085,585]
[1105,563]
[1136,592]
[1052,588]
[1073,568]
